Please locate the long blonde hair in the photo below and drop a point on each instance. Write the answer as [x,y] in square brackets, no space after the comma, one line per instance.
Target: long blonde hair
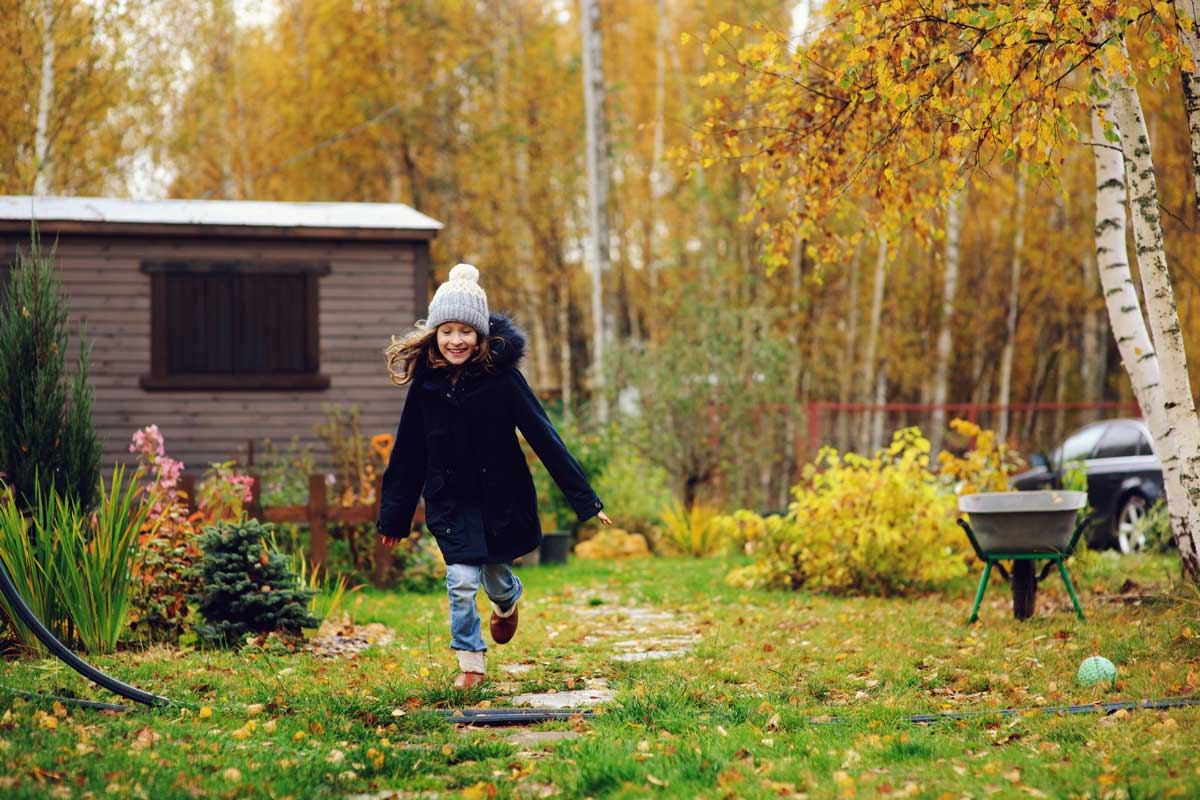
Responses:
[417,351]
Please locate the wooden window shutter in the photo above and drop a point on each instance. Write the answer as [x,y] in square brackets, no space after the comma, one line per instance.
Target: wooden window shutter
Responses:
[232,325]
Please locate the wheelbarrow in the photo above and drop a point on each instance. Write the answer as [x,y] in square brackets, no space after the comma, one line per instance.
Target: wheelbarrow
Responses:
[1023,527]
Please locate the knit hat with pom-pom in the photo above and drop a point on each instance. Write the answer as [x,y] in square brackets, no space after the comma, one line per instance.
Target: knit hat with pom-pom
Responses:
[460,299]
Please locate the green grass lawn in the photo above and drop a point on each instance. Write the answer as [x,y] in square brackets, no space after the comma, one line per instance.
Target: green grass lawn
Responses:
[782,695]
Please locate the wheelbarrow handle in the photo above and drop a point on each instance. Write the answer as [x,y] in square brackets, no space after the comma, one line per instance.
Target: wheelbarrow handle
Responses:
[966,526]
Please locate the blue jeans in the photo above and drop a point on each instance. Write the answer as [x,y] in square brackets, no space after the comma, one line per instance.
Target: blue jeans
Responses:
[462,582]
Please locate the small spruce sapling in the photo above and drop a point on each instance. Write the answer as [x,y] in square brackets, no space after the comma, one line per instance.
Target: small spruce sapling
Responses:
[246,587]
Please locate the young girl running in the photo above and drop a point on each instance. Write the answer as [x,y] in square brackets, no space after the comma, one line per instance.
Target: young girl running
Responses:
[457,446]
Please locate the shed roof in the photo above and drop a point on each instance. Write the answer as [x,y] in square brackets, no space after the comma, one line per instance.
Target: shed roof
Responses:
[253,217]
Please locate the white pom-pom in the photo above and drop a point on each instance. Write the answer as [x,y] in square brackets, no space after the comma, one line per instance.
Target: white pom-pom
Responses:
[464,272]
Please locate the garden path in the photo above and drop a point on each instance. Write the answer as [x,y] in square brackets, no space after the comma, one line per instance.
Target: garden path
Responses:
[624,632]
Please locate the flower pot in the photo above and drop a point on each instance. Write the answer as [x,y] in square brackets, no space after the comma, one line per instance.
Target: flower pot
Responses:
[556,545]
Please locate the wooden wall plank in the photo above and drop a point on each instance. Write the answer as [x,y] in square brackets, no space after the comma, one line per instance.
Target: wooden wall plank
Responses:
[367,297]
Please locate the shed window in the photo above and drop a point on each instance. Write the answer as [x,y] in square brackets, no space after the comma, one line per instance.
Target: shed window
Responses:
[234,325]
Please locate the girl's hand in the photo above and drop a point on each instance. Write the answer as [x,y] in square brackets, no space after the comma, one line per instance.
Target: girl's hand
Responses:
[604,518]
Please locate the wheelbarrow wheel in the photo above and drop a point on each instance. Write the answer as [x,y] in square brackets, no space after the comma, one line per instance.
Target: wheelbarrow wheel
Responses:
[1024,589]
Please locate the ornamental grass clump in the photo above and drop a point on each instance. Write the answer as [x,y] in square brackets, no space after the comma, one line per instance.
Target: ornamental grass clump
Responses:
[872,526]
[698,531]
[74,566]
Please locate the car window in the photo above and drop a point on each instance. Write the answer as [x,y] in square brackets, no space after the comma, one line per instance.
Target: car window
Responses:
[1120,441]
[1145,448]
[1078,445]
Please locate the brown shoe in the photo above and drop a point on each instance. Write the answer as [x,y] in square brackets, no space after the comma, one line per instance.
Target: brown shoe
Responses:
[504,625]
[466,680]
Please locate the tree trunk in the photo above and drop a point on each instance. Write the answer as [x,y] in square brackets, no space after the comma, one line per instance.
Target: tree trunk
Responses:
[1092,361]
[598,185]
[44,179]
[880,416]
[869,367]
[657,178]
[564,348]
[945,342]
[846,388]
[1014,299]
[1182,427]
[1138,354]
[1188,13]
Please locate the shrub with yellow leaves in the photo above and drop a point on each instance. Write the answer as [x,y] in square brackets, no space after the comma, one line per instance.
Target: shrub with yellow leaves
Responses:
[613,543]
[983,468]
[878,526]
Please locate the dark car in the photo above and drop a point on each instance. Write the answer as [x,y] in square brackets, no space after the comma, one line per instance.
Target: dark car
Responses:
[1123,473]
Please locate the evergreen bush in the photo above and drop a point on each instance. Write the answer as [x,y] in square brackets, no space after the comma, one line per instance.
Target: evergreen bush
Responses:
[40,432]
[247,587]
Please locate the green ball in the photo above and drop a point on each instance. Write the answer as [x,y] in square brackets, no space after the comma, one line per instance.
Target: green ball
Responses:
[1096,669]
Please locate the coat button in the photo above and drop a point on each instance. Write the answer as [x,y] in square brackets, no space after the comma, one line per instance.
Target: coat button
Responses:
[485,469]
[447,531]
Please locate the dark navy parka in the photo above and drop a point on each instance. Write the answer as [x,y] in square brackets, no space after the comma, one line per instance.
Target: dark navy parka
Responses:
[457,445]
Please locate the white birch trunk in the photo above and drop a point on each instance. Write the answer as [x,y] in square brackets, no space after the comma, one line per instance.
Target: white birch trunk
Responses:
[945,341]
[44,179]
[1188,12]
[869,357]
[1182,425]
[1014,299]
[846,389]
[598,184]
[1091,361]
[657,178]
[1138,354]
[880,416]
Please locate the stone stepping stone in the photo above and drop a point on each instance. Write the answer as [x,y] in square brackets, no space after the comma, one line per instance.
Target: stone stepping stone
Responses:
[649,655]
[658,642]
[538,738]
[571,699]
[516,669]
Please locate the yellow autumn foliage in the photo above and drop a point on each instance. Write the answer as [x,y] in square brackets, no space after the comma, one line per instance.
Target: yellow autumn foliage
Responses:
[609,543]
[877,526]
[983,468]
[697,531]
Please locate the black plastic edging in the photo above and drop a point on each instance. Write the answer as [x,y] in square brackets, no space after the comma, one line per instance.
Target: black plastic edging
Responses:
[530,716]
[511,716]
[69,658]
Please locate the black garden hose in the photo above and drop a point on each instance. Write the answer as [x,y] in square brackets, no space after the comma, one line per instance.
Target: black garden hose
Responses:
[73,661]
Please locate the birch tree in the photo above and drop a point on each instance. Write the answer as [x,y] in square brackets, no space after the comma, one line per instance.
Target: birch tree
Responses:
[871,378]
[945,339]
[598,188]
[41,136]
[1177,437]
[1014,299]
[1187,13]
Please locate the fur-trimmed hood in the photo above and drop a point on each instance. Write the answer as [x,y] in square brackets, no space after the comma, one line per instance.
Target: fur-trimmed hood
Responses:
[507,342]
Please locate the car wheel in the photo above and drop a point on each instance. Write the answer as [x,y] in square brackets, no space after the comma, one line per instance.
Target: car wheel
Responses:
[1129,538]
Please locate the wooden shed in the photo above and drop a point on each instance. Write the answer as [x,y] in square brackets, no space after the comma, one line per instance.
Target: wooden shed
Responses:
[225,321]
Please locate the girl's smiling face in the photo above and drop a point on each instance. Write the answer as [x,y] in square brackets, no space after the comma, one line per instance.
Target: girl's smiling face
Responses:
[457,342]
